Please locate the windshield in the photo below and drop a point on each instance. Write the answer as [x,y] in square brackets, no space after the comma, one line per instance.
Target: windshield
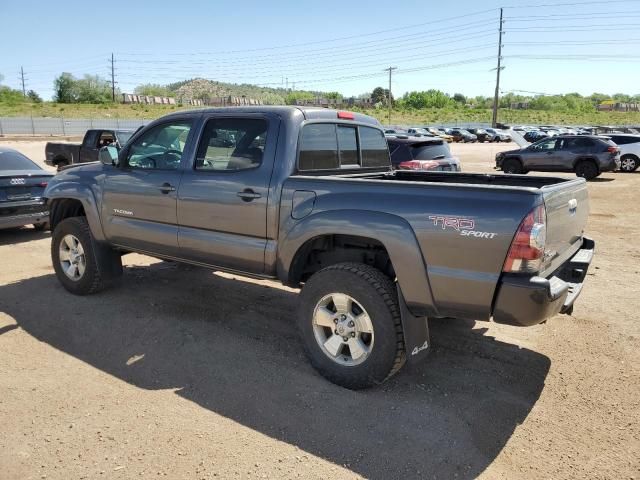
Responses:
[434,151]
[12,160]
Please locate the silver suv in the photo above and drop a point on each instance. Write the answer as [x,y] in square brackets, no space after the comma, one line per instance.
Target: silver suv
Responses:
[586,155]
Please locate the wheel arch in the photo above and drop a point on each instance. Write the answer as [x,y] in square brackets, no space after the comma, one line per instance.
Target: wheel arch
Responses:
[71,200]
[380,233]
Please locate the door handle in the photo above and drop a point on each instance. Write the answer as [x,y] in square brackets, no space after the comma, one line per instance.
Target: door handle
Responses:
[167,187]
[248,195]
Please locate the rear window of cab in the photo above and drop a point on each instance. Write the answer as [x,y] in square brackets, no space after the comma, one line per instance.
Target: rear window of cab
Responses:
[331,146]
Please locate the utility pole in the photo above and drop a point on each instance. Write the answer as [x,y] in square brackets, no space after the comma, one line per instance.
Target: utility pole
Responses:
[390,69]
[113,79]
[24,90]
[496,96]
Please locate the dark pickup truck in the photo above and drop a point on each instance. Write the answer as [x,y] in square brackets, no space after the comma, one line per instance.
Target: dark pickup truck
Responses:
[62,154]
[306,196]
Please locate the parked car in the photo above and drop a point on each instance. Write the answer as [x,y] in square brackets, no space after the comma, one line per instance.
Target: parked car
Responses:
[22,184]
[461,135]
[440,133]
[629,146]
[533,136]
[480,133]
[497,135]
[587,156]
[432,154]
[419,132]
[395,131]
[62,154]
[317,206]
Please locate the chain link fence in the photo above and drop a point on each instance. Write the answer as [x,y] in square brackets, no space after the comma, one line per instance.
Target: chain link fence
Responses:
[63,126]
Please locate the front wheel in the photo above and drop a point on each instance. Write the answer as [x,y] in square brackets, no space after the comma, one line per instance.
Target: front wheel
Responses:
[511,166]
[82,265]
[349,320]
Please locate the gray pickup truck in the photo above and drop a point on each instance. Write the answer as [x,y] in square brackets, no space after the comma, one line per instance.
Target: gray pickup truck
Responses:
[60,155]
[307,196]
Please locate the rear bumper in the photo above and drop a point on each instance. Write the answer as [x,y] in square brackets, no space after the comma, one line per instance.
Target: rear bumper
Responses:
[610,165]
[526,301]
[20,220]
[17,214]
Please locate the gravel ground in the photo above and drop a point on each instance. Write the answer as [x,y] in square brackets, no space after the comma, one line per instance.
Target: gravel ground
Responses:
[184,373]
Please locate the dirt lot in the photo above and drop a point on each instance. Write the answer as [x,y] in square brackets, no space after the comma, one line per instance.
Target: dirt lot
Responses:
[183,373]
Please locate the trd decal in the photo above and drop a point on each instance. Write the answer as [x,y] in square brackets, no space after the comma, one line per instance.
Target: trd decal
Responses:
[464,226]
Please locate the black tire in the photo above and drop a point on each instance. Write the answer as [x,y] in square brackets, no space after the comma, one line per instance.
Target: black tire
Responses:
[629,163]
[586,169]
[512,166]
[103,264]
[61,164]
[378,296]
[41,227]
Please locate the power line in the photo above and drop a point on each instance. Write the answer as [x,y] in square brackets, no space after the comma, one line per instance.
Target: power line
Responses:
[573,4]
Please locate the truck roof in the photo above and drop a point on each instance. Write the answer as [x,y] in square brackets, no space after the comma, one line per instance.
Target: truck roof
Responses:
[310,113]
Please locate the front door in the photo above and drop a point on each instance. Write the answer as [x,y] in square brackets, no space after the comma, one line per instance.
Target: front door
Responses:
[542,155]
[222,200]
[139,199]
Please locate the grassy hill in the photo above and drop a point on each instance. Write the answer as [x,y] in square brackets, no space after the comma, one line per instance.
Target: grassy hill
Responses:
[419,117]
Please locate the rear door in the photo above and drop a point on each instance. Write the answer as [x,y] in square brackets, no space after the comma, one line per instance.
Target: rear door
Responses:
[572,148]
[542,155]
[223,197]
[139,198]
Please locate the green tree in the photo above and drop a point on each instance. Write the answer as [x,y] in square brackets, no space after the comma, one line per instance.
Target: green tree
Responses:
[34,97]
[380,95]
[64,88]
[10,96]
[333,96]
[293,97]
[154,90]
[92,89]
[459,98]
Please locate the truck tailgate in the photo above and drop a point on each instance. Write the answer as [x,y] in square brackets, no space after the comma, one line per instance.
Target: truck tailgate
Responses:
[567,207]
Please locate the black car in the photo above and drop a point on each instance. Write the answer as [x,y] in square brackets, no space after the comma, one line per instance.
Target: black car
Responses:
[534,135]
[422,153]
[481,134]
[22,184]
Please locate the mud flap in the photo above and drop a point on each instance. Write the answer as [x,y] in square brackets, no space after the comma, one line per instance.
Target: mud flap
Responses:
[416,333]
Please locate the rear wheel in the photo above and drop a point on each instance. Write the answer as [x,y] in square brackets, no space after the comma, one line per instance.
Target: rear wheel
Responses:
[349,321]
[512,165]
[82,265]
[629,163]
[587,170]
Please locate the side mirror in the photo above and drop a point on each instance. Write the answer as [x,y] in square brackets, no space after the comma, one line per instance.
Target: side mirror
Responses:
[108,155]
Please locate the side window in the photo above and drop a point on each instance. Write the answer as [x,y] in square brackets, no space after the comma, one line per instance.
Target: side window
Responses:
[160,148]
[375,152]
[232,144]
[319,147]
[106,139]
[348,145]
[546,145]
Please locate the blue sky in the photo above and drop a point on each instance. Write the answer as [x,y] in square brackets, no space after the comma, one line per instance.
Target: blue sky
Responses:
[330,45]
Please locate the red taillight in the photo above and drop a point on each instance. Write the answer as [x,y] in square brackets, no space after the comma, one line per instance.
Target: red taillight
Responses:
[527,248]
[613,150]
[418,165]
[346,115]
[43,184]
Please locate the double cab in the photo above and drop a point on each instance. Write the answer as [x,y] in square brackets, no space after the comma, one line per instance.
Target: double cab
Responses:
[307,196]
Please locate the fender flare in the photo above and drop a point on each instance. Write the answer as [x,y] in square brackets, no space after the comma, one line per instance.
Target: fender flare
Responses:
[83,194]
[395,234]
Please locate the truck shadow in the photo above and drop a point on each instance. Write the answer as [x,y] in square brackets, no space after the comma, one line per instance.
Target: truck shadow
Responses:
[14,236]
[231,347]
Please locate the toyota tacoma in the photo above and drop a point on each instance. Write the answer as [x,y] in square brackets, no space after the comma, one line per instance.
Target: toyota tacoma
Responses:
[307,196]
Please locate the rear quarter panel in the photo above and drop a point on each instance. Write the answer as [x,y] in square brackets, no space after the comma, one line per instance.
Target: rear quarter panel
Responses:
[445,222]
